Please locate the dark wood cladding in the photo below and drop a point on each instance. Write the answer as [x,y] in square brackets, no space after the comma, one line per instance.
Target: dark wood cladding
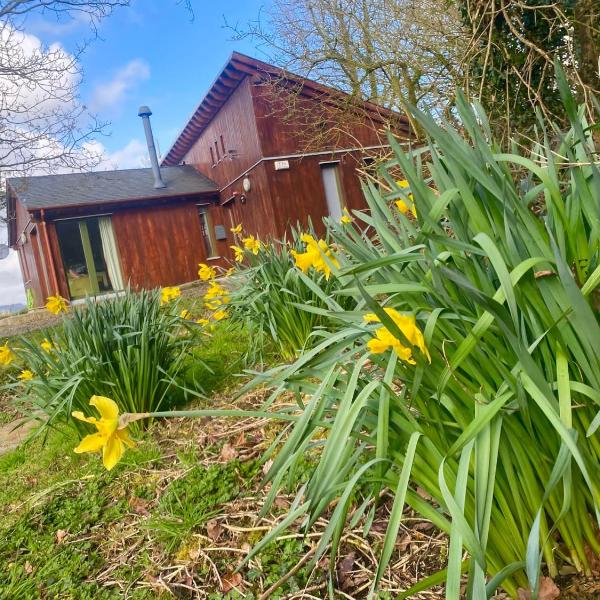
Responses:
[234,129]
[63,286]
[32,255]
[254,209]
[159,247]
[290,122]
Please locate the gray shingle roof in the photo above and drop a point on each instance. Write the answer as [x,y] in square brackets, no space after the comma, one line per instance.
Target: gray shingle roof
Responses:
[75,189]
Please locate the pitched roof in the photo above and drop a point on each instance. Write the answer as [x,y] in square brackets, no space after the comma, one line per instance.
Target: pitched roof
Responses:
[235,70]
[99,187]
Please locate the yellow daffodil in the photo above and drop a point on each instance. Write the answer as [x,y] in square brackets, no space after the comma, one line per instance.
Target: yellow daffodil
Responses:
[25,375]
[215,296]
[6,355]
[216,291]
[206,272]
[237,229]
[213,304]
[229,272]
[109,438]
[314,256]
[346,217]
[219,315]
[169,293]
[239,253]
[47,345]
[56,304]
[384,339]
[251,243]
[185,314]
[405,209]
[402,206]
[203,322]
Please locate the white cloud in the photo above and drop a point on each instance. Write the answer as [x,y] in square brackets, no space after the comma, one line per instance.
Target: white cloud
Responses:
[59,25]
[132,156]
[110,94]
[11,283]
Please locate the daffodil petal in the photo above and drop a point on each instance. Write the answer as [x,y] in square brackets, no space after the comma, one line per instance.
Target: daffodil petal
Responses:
[377,346]
[91,443]
[113,451]
[79,415]
[107,408]
[123,435]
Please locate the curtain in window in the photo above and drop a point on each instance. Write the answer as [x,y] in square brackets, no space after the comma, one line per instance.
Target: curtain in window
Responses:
[111,254]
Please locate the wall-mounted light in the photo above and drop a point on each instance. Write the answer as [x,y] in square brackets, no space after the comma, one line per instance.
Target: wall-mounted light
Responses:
[246,184]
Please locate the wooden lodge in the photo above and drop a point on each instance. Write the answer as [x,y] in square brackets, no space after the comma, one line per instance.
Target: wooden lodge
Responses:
[264,148]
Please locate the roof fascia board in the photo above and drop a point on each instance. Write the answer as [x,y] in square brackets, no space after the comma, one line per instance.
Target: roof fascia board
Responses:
[128,203]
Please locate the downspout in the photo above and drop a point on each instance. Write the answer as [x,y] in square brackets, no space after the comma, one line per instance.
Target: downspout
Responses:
[50,258]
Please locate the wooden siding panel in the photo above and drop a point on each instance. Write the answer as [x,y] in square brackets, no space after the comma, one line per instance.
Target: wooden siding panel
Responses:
[159,246]
[289,123]
[236,123]
[30,256]
[257,213]
[63,286]
[298,192]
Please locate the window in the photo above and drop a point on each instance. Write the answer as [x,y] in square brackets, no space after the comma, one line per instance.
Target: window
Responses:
[333,194]
[218,153]
[212,156]
[222,145]
[205,230]
[89,256]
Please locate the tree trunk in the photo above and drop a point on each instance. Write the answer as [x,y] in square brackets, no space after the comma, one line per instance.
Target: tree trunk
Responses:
[587,40]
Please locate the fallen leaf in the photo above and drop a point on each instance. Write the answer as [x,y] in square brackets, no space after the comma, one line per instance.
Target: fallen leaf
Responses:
[28,567]
[230,581]
[281,502]
[228,452]
[343,570]
[241,440]
[194,554]
[548,591]
[404,542]
[60,535]
[267,466]
[214,529]
[139,506]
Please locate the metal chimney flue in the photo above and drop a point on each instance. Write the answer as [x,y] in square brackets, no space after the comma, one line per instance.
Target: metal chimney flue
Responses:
[145,113]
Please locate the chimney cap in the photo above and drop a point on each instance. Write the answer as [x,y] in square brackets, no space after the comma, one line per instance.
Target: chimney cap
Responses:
[144,111]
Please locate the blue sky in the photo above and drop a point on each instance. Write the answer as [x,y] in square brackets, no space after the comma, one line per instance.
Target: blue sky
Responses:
[149,53]
[152,53]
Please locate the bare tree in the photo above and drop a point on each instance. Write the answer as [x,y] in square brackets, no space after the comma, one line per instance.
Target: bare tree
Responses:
[510,59]
[391,52]
[43,124]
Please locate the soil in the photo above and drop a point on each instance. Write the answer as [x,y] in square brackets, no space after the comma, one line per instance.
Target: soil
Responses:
[14,433]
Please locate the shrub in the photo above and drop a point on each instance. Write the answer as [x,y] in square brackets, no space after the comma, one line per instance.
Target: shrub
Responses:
[128,348]
[278,303]
[494,439]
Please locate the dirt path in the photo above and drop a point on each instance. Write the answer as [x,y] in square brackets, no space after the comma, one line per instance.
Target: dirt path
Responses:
[26,322]
[14,434]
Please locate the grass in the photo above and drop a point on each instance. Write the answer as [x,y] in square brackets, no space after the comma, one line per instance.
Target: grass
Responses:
[177,514]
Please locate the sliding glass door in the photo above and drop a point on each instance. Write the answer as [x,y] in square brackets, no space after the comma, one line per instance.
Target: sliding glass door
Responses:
[89,255]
